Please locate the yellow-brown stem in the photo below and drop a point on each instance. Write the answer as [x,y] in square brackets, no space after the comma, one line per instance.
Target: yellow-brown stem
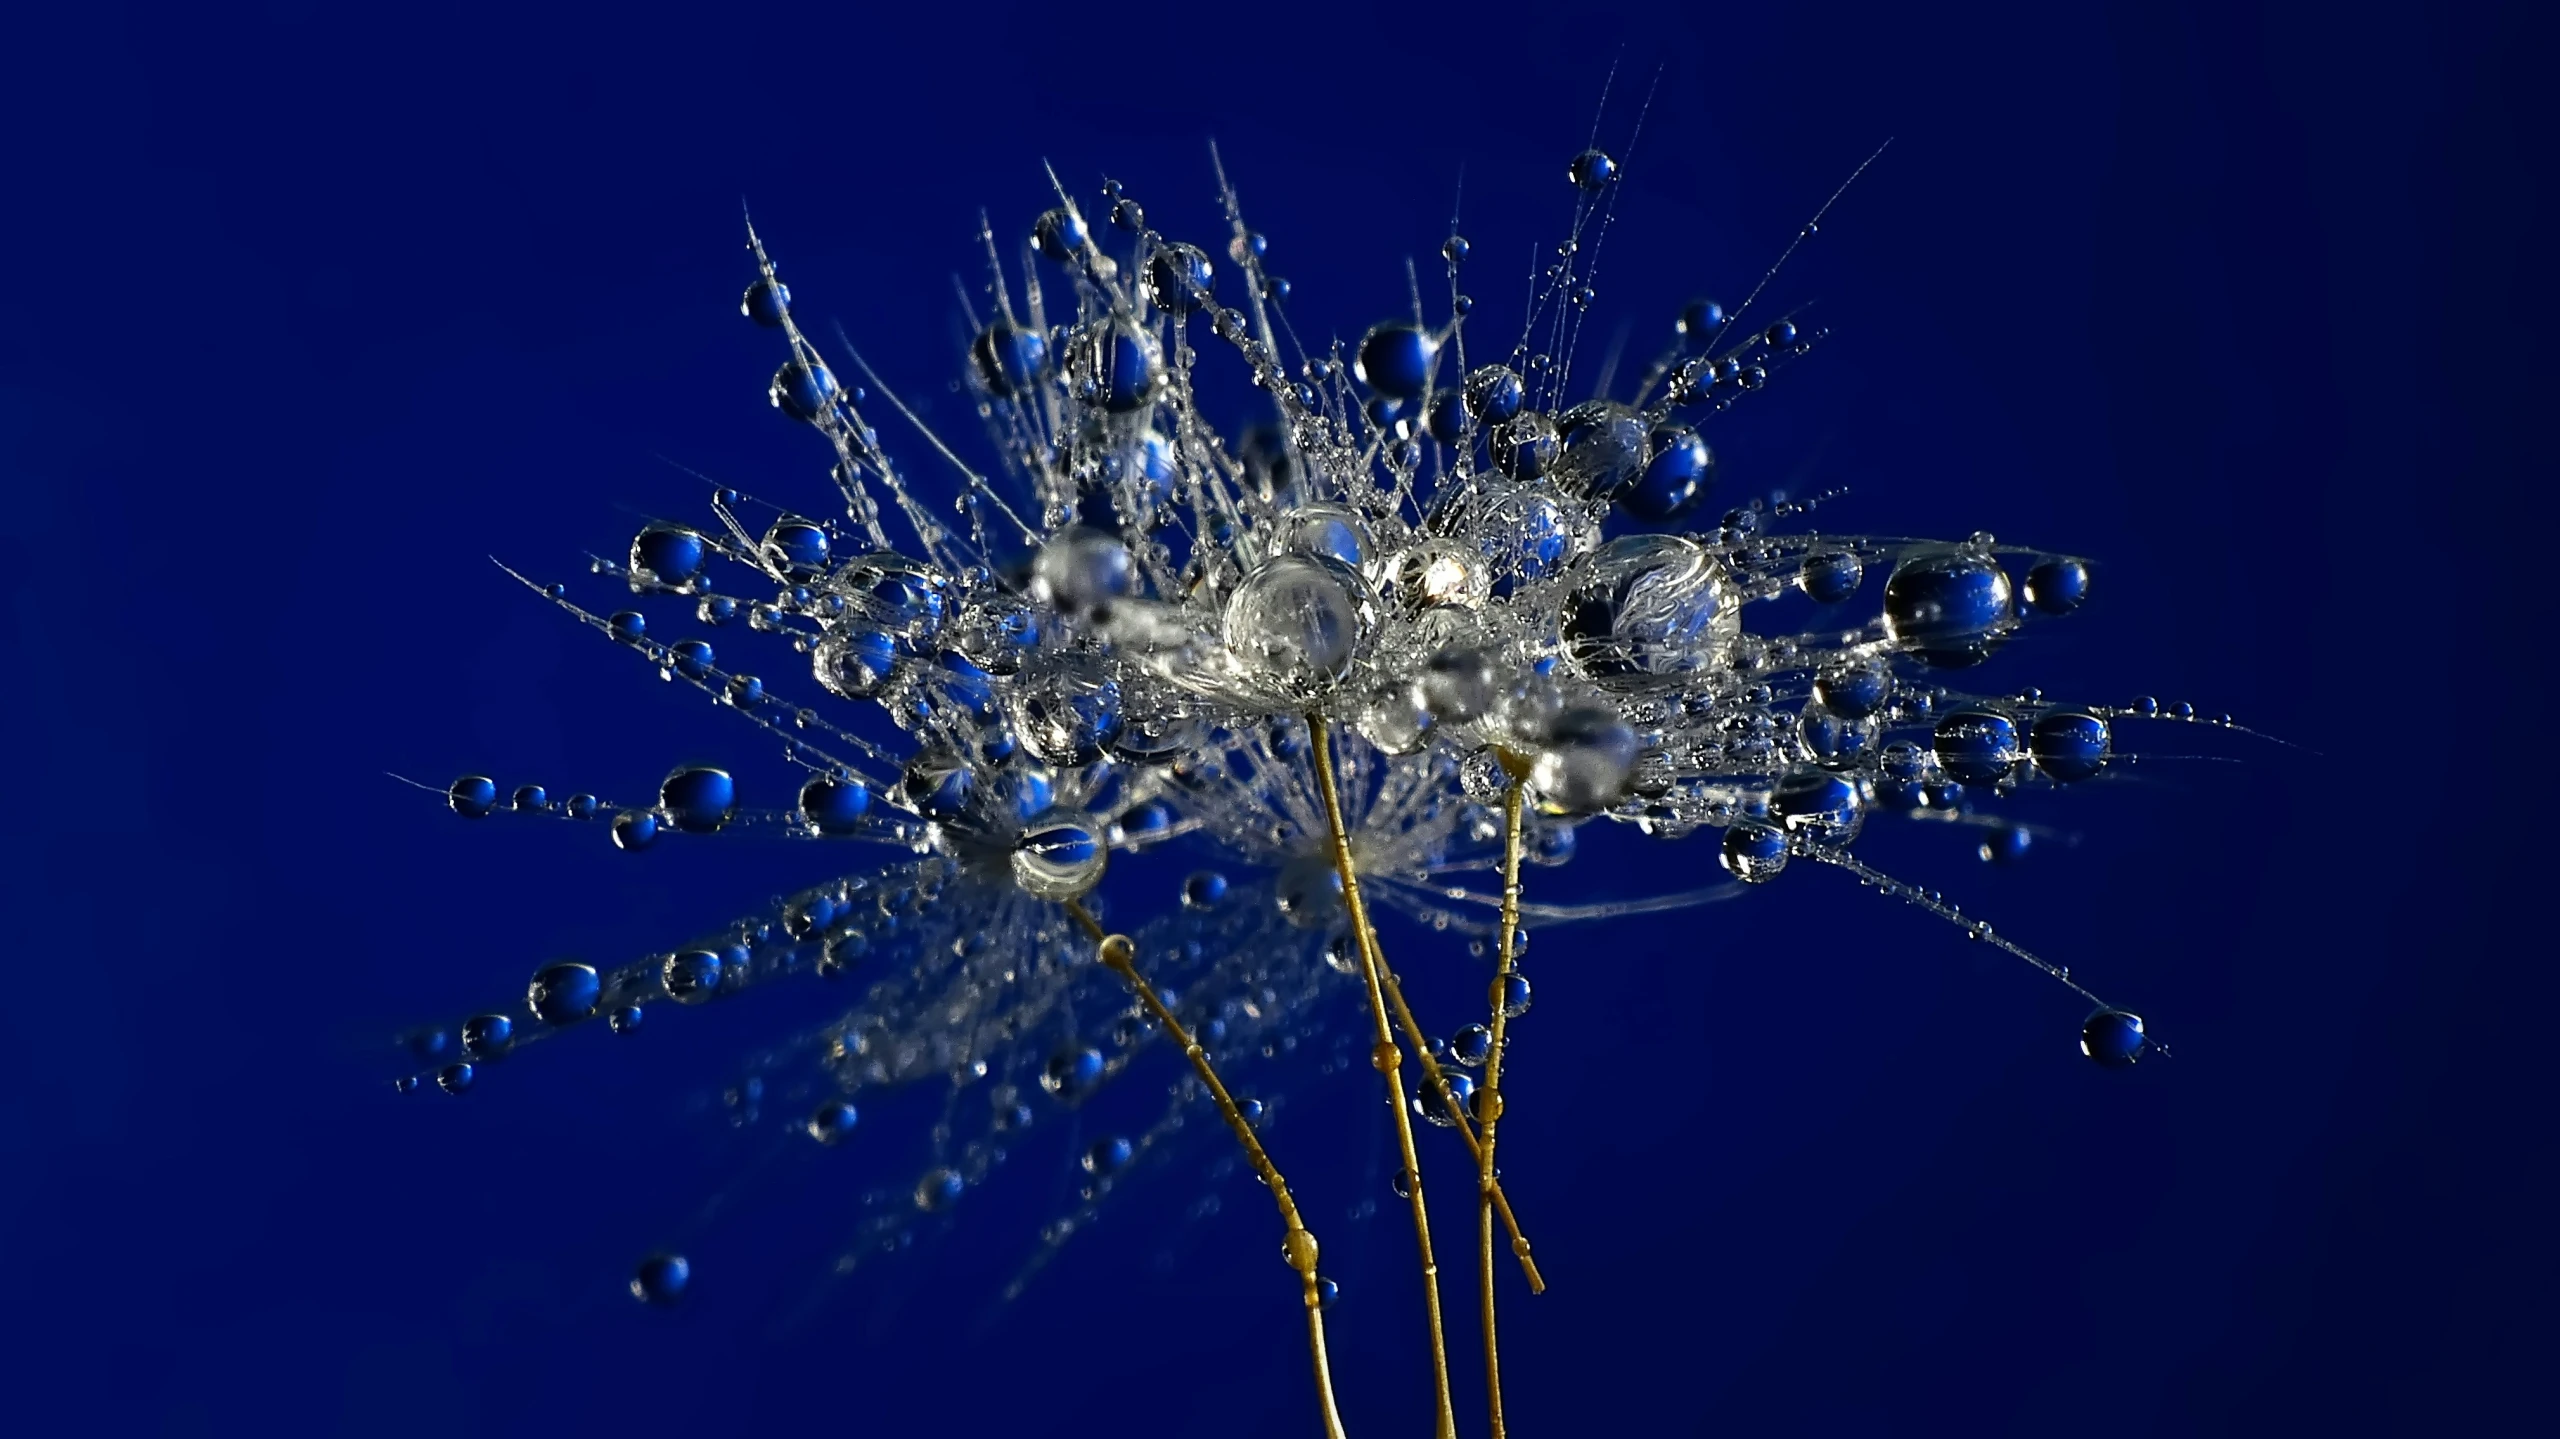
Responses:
[1489,1108]
[1388,1059]
[1298,1245]
[1433,1075]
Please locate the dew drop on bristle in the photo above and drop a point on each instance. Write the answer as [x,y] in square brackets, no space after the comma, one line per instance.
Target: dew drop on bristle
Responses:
[1977,746]
[564,993]
[690,658]
[1059,855]
[1060,234]
[1592,171]
[1180,278]
[1951,608]
[691,977]
[1493,394]
[1471,1045]
[698,799]
[634,830]
[834,806]
[473,796]
[1297,622]
[2069,745]
[795,546]
[2113,1038]
[1010,360]
[939,1190]
[2057,587]
[1395,360]
[661,1279]
[831,1121]
[1444,1104]
[766,303]
[488,1036]
[2007,845]
[1753,853]
[456,1078]
[1830,577]
[667,557]
[802,389]
[1681,473]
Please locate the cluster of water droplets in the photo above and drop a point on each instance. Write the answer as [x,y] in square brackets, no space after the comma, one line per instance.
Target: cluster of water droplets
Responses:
[1125,630]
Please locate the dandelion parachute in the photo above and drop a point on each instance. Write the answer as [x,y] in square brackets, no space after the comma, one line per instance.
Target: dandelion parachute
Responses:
[1425,613]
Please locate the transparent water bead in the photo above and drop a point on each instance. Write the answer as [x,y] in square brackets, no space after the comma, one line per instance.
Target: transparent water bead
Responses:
[1081,571]
[1951,607]
[1649,603]
[1585,753]
[1298,623]
[1059,855]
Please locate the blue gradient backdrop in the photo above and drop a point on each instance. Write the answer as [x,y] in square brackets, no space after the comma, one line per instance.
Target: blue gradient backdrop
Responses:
[310,308]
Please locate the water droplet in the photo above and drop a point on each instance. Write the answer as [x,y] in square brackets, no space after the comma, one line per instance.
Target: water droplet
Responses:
[488,1036]
[1753,853]
[661,1279]
[1059,855]
[1394,359]
[1472,1045]
[1180,278]
[1442,1104]
[1830,577]
[698,799]
[2113,1038]
[1592,171]
[1060,234]
[1010,360]
[1977,746]
[1081,571]
[802,389]
[691,977]
[2057,586]
[1818,805]
[1071,1072]
[1584,754]
[1309,892]
[795,546]
[667,556]
[1950,607]
[831,1121]
[690,658]
[834,806]
[1297,623]
[564,993]
[939,1190]
[1701,320]
[2069,745]
[472,796]
[1680,474]
[766,302]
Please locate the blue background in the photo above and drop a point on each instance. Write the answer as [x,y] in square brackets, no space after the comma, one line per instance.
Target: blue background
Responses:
[310,308]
